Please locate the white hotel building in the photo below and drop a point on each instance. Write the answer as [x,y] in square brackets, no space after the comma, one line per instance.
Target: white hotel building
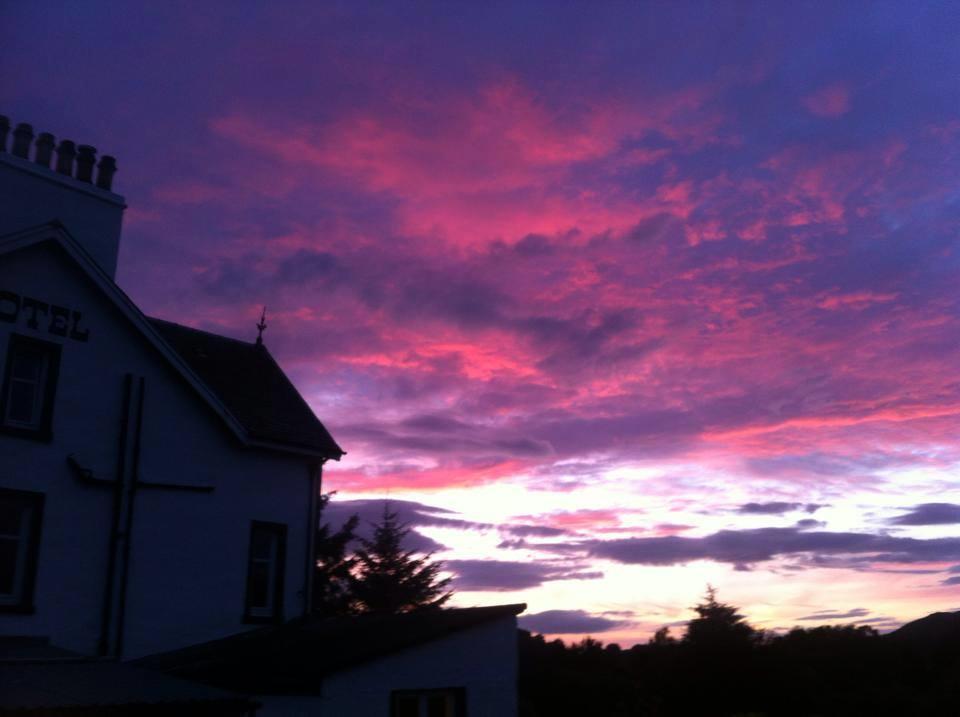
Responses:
[158,501]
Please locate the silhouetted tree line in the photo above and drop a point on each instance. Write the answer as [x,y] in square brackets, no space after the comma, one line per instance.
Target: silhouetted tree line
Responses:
[356,575]
[724,667]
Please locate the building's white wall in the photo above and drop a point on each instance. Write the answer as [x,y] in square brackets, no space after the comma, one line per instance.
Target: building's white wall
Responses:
[189,550]
[482,659]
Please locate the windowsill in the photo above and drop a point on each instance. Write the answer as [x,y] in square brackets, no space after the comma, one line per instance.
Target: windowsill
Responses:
[262,619]
[43,435]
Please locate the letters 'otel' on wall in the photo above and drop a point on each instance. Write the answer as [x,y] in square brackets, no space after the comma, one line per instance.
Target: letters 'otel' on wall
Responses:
[36,314]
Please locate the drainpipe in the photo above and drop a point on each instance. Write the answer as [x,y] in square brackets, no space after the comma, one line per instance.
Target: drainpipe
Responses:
[316,480]
[106,613]
[128,530]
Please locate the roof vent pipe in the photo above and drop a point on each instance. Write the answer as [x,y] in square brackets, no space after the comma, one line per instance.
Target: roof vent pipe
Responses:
[65,154]
[86,159]
[106,169]
[22,137]
[44,149]
[4,131]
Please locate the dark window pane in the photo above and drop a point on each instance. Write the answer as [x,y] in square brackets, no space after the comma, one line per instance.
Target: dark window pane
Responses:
[262,545]
[439,706]
[8,565]
[11,513]
[23,399]
[259,584]
[27,365]
[407,706]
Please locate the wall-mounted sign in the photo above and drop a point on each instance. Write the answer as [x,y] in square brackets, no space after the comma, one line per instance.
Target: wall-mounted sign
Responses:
[57,320]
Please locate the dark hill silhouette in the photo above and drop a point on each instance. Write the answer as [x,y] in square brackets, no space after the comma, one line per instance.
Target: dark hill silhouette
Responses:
[932,632]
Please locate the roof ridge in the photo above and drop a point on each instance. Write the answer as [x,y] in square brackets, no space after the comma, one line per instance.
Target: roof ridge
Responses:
[201,331]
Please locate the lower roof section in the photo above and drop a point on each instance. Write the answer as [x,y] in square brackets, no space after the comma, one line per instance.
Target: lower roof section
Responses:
[48,683]
[292,658]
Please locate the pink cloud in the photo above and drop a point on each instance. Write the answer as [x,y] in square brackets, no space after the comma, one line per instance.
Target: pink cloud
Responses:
[830,101]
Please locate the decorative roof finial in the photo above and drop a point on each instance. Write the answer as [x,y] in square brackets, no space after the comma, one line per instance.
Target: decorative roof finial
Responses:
[261,326]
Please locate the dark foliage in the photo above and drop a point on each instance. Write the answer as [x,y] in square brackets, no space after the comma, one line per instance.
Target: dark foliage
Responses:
[331,582]
[386,578]
[725,668]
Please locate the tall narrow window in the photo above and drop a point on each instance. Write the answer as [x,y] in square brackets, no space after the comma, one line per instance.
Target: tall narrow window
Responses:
[20,515]
[265,572]
[29,383]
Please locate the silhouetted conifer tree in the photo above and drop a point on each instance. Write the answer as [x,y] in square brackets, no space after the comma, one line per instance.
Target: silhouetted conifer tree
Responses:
[718,626]
[388,579]
[331,583]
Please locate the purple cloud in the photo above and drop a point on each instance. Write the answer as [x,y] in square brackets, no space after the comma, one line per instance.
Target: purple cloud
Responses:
[504,575]
[777,508]
[744,547]
[834,615]
[930,514]
[566,622]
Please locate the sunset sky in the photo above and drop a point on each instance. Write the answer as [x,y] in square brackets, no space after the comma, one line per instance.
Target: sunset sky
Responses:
[610,300]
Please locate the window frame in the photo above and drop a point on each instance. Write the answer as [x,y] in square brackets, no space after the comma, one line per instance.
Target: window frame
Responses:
[28,577]
[459,695]
[252,613]
[43,431]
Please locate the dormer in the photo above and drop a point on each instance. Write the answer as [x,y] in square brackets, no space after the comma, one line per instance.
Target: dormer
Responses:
[43,181]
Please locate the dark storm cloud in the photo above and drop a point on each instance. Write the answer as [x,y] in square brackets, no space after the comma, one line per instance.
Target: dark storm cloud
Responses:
[566,622]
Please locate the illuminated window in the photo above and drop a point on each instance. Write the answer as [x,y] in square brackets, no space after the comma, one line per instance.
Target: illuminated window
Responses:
[448,702]
[20,515]
[265,570]
[29,384]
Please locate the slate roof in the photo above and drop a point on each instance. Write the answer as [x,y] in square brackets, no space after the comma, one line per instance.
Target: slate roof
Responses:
[247,380]
[292,658]
[78,687]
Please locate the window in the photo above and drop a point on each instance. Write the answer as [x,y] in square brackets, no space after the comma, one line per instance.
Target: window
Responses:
[29,384]
[268,547]
[20,515]
[448,702]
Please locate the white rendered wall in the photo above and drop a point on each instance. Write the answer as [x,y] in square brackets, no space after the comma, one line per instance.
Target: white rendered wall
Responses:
[189,550]
[482,659]
[33,195]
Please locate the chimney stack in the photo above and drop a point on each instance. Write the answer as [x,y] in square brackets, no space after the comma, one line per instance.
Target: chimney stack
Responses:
[86,159]
[76,190]
[106,169]
[44,149]
[22,137]
[65,154]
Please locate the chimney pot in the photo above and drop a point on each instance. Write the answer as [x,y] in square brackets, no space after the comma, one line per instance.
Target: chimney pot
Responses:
[65,154]
[86,159]
[4,131]
[22,137]
[44,149]
[107,168]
